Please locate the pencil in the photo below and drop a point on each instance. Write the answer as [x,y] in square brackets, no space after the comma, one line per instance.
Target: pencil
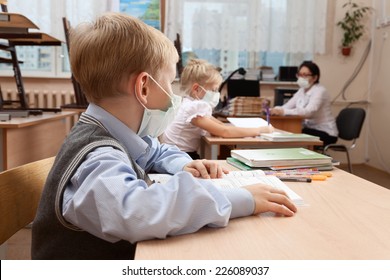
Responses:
[295,179]
[267,113]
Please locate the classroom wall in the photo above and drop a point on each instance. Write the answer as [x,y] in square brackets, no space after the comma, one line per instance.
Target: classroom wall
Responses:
[337,69]
[369,88]
[378,128]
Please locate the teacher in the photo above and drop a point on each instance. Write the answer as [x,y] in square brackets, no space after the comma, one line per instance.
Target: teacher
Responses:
[311,101]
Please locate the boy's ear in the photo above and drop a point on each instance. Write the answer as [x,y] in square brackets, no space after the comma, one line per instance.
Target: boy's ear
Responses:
[141,87]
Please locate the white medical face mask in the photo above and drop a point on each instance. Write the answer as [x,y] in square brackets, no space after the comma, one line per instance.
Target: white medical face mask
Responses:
[155,122]
[211,97]
[303,83]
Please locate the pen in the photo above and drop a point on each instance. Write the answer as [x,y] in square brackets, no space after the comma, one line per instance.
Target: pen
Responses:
[295,179]
[267,113]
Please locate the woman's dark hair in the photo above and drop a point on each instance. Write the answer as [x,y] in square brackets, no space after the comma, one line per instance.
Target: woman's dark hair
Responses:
[314,69]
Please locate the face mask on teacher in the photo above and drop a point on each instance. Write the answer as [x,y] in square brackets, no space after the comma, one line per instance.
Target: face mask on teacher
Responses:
[303,83]
[154,122]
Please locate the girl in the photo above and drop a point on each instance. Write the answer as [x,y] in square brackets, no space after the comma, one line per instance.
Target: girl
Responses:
[199,84]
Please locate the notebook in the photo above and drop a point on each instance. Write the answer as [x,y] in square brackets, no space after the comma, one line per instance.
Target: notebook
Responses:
[280,157]
[237,179]
[248,122]
[286,136]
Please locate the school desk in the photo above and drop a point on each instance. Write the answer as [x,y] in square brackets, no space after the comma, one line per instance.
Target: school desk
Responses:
[287,123]
[346,217]
[211,147]
[23,140]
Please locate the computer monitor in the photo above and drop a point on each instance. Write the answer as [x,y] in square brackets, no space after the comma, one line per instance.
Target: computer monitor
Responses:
[288,73]
[242,87]
[282,95]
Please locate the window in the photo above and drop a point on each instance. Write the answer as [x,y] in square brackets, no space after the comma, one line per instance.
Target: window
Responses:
[228,33]
[248,33]
[36,60]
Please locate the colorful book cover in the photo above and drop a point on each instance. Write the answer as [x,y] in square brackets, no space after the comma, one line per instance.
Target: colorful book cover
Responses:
[280,157]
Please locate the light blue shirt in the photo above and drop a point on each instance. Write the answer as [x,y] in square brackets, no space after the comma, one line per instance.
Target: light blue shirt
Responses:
[105,198]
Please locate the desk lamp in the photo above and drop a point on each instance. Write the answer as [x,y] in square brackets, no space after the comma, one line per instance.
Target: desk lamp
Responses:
[240,71]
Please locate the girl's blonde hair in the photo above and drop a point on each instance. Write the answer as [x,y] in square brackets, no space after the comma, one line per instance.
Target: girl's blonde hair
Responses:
[103,54]
[198,71]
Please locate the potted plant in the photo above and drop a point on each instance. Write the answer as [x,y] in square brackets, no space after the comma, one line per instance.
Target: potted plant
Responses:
[352,25]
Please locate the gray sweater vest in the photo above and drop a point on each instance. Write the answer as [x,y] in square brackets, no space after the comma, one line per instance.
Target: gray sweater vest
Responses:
[52,236]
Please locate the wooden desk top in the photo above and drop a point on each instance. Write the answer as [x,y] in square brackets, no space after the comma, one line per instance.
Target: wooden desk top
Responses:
[279,83]
[34,39]
[211,140]
[223,117]
[16,21]
[33,120]
[346,218]
[15,28]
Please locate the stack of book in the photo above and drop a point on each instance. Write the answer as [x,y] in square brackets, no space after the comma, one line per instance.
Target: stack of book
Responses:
[268,74]
[284,158]
[246,106]
[252,74]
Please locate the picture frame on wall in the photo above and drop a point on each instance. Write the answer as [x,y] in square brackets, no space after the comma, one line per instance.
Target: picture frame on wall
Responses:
[146,10]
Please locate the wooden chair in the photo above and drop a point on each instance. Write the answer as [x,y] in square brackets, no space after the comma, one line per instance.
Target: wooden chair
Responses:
[179,64]
[20,192]
[3,5]
[81,100]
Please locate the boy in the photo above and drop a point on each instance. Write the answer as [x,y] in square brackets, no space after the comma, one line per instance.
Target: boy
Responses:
[97,201]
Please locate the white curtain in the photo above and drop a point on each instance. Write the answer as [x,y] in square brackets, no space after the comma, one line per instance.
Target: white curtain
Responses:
[47,14]
[290,26]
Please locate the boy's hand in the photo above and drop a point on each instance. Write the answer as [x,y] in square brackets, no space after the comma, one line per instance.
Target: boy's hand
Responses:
[270,199]
[205,169]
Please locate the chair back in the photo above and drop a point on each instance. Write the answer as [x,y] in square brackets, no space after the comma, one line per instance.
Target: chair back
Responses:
[3,4]
[20,192]
[179,64]
[81,100]
[350,122]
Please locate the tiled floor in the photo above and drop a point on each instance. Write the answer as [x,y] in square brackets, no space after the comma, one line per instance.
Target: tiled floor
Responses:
[19,245]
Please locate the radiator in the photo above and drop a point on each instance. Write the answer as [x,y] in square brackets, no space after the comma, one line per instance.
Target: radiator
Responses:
[42,98]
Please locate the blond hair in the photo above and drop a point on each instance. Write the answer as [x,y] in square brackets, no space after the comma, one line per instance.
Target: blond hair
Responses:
[198,71]
[103,54]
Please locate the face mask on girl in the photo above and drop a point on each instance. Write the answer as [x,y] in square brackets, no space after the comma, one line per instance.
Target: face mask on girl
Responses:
[211,97]
[154,121]
[303,83]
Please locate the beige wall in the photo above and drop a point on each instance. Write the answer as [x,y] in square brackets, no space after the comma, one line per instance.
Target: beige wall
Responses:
[336,69]
[372,84]
[378,123]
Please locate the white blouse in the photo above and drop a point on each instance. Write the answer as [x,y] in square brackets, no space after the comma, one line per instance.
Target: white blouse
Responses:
[315,106]
[181,132]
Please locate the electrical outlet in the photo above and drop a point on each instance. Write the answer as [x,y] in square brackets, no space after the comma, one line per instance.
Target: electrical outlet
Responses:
[378,23]
[385,21]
